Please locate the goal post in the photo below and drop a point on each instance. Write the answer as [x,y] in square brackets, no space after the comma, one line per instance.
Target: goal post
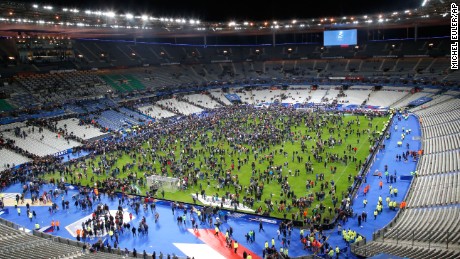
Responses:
[158,182]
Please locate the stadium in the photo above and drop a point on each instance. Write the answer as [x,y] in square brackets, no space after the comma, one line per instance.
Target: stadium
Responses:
[127,134]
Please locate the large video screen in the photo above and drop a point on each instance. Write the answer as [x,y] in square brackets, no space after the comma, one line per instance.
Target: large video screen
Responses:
[340,37]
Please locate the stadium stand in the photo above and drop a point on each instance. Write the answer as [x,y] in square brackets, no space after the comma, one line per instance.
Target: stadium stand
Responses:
[75,127]
[156,112]
[180,106]
[106,86]
[11,159]
[430,217]
[38,141]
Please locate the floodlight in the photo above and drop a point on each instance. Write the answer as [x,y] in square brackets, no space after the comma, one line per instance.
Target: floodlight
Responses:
[35,6]
[144,17]
[129,16]
[110,14]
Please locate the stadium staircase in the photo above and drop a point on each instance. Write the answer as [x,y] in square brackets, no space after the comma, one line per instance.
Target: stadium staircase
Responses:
[408,95]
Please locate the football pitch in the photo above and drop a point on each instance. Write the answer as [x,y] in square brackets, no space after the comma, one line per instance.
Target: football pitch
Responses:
[269,153]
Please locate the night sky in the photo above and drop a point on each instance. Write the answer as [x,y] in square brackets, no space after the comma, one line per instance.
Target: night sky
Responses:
[239,10]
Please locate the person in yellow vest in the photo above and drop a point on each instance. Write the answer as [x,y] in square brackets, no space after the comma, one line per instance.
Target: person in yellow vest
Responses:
[111,234]
[281,250]
[30,216]
[19,211]
[331,253]
[249,256]
[235,246]
[337,251]
[286,252]
[395,191]
[217,231]
[375,214]
[273,241]
[266,244]
[37,226]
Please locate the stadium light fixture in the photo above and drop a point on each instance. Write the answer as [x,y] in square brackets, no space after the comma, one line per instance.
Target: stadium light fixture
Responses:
[48,7]
[294,21]
[110,14]
[144,17]
[129,16]
[35,6]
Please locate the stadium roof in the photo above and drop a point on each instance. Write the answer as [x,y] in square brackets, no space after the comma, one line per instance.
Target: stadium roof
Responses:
[27,17]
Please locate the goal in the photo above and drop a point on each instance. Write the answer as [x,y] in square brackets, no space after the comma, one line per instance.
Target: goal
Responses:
[158,182]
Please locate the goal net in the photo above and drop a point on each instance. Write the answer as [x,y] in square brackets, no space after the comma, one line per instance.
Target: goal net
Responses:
[158,183]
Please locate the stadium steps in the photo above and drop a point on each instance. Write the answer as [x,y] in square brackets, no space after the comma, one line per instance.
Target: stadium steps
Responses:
[415,252]
[408,95]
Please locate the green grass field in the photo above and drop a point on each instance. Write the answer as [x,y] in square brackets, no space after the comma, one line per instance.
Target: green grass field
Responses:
[273,189]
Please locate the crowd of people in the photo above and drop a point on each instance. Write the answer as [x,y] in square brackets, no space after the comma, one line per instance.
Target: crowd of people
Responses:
[251,135]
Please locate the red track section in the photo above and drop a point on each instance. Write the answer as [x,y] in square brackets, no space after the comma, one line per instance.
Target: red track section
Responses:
[219,244]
